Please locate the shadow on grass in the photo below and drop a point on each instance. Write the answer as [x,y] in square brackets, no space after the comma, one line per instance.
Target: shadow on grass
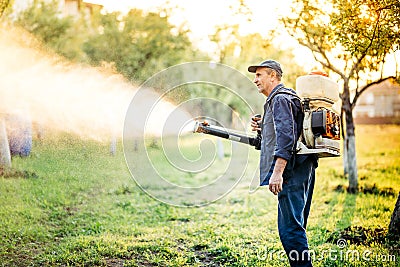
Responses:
[12,173]
[359,235]
[370,189]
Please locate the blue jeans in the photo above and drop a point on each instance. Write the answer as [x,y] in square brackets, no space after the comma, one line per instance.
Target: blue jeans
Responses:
[293,210]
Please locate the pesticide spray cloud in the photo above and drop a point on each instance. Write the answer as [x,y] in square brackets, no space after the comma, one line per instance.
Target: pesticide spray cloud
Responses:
[67,97]
[95,104]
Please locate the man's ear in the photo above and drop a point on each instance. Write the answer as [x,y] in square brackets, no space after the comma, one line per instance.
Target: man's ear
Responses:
[273,74]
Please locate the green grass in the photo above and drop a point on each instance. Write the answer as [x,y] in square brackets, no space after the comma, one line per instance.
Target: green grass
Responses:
[72,204]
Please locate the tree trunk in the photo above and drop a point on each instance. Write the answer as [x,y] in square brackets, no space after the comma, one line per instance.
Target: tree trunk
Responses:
[394,226]
[352,164]
[344,155]
[344,150]
[350,142]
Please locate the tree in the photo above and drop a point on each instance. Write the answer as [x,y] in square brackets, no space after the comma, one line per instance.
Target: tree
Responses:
[138,44]
[62,34]
[43,20]
[351,39]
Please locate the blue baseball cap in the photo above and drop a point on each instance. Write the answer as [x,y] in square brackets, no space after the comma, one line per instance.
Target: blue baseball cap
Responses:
[272,64]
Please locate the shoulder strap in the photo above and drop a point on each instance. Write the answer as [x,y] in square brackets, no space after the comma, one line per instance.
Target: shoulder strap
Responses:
[300,117]
[283,92]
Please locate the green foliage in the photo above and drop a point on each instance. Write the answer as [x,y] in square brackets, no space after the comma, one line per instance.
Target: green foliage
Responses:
[367,29]
[3,6]
[43,19]
[62,34]
[138,44]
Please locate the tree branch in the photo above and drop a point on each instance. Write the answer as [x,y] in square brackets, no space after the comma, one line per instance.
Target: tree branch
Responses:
[354,102]
[319,50]
[329,64]
[364,54]
[387,7]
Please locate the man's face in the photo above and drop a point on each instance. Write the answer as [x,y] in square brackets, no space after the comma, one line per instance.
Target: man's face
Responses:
[264,80]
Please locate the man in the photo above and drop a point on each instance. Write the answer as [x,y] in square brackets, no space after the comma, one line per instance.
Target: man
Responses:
[288,175]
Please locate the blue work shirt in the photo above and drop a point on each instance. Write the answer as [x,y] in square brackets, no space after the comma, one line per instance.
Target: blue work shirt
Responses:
[281,128]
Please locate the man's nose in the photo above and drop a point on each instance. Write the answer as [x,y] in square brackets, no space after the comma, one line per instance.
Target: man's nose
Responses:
[255,80]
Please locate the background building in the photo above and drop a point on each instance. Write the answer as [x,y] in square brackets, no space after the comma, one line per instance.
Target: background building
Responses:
[76,7]
[379,104]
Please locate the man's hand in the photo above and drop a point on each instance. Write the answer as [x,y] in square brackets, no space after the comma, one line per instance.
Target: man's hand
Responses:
[255,123]
[276,180]
[275,183]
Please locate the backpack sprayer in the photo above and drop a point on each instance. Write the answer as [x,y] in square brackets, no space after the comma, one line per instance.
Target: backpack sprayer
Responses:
[319,96]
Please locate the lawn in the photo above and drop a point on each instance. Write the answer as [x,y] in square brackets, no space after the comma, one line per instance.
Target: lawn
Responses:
[71,203]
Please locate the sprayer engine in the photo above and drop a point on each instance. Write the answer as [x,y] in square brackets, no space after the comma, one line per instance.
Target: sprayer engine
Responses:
[326,123]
